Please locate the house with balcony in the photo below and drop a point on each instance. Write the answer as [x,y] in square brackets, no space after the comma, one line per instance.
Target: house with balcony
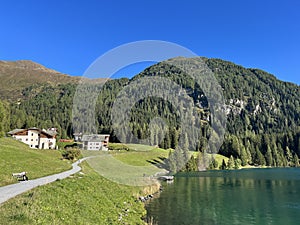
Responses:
[95,142]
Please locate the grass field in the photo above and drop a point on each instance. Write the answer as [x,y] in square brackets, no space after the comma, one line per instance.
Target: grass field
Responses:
[141,155]
[85,198]
[134,166]
[17,157]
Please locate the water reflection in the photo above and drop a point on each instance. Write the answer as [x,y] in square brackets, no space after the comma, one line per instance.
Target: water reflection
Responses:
[231,197]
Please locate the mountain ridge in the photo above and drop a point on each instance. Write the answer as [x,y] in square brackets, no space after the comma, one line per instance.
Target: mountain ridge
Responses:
[18,75]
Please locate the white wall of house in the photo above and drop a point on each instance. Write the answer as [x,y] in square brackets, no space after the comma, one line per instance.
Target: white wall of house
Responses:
[47,143]
[22,138]
[33,140]
[93,145]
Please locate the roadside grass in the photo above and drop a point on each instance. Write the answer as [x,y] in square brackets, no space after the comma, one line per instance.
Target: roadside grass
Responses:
[16,157]
[84,198]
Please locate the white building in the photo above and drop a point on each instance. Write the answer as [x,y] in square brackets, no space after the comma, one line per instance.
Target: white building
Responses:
[95,142]
[35,137]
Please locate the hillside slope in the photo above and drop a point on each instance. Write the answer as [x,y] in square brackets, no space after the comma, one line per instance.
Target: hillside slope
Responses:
[16,157]
[17,75]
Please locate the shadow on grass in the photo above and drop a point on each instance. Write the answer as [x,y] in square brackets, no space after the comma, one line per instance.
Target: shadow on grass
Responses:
[161,164]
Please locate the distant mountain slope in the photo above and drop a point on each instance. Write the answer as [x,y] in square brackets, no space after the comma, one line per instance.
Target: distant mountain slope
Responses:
[17,75]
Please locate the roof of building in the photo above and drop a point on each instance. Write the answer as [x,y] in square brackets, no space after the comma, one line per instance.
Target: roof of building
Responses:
[15,131]
[94,137]
[48,132]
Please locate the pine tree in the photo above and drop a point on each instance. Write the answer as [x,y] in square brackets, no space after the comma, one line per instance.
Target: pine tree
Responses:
[215,163]
[259,158]
[192,164]
[295,160]
[288,155]
[230,164]
[171,162]
[185,150]
[237,163]
[244,156]
[269,158]
[223,166]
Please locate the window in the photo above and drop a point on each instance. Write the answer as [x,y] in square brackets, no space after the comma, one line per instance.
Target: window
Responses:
[31,139]
[26,139]
[31,134]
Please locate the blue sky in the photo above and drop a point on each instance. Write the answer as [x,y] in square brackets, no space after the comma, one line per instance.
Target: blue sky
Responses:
[69,35]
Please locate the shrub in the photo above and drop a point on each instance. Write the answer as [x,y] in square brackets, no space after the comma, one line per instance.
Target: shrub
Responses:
[71,154]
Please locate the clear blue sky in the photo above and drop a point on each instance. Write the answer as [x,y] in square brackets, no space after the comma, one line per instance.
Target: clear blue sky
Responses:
[69,35]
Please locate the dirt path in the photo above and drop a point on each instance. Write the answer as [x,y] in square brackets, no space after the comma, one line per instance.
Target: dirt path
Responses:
[10,191]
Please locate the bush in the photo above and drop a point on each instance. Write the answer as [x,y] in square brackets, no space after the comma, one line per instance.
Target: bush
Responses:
[71,154]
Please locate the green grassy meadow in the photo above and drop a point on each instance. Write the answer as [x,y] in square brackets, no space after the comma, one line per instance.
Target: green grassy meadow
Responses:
[134,166]
[17,157]
[141,155]
[84,198]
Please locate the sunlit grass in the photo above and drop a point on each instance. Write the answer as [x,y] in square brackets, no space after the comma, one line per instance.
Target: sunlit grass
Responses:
[130,167]
[85,198]
[17,157]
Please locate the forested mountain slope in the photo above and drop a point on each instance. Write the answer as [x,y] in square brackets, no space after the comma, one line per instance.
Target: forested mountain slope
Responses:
[262,112]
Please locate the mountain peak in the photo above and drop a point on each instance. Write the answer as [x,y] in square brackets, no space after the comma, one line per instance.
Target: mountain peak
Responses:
[26,64]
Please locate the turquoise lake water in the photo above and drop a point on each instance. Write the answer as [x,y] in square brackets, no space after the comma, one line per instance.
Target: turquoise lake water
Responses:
[250,196]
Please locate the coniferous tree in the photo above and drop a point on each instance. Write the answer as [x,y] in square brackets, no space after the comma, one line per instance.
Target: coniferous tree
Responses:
[269,158]
[230,164]
[295,161]
[244,156]
[223,166]
[237,163]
